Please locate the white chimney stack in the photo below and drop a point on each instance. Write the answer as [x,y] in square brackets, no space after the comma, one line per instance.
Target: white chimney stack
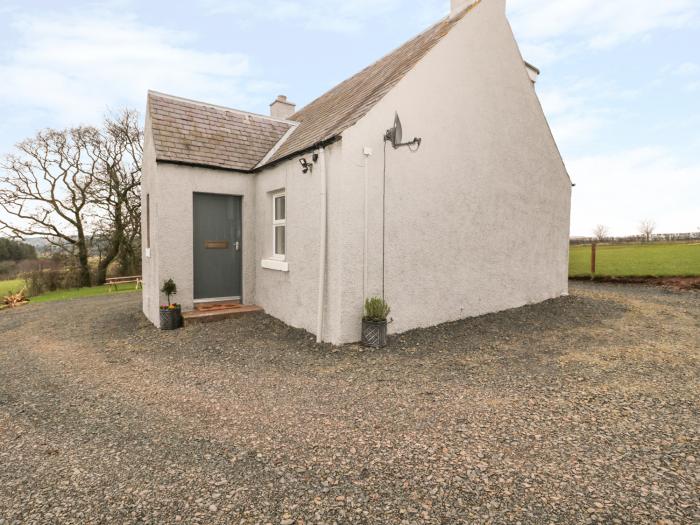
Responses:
[282,108]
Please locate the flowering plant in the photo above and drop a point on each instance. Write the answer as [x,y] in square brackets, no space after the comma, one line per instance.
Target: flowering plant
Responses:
[173,306]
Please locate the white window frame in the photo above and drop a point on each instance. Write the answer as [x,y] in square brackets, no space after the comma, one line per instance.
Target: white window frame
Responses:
[279,222]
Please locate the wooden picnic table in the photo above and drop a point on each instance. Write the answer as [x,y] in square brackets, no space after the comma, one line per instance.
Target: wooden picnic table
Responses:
[114,282]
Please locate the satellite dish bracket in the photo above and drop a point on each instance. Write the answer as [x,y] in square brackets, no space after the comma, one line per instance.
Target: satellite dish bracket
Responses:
[395,135]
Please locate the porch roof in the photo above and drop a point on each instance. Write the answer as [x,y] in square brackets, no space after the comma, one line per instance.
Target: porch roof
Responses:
[189,132]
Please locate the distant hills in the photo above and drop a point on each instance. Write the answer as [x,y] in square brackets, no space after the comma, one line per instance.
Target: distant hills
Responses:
[39,243]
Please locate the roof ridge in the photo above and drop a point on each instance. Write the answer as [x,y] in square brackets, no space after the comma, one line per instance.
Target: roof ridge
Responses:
[446,19]
[341,107]
[373,64]
[224,108]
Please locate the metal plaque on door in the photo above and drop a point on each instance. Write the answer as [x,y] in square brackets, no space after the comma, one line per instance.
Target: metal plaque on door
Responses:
[216,245]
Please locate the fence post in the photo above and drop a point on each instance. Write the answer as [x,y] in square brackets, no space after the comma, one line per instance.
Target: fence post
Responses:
[594,247]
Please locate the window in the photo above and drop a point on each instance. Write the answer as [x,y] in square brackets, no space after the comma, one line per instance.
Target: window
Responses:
[279,226]
[278,260]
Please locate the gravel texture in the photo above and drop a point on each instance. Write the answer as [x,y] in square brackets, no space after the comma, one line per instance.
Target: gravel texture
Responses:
[579,410]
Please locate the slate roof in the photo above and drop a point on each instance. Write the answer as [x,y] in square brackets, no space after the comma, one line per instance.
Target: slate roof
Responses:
[345,104]
[191,132]
[202,134]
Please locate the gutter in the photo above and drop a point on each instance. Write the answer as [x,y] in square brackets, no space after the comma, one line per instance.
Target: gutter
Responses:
[260,166]
[314,147]
[201,165]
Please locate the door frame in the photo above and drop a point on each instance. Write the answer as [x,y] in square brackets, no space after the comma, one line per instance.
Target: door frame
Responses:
[242,269]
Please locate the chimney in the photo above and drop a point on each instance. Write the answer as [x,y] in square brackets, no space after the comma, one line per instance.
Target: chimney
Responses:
[282,108]
[457,6]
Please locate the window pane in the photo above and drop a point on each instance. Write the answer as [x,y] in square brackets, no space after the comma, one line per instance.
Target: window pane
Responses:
[280,211]
[280,240]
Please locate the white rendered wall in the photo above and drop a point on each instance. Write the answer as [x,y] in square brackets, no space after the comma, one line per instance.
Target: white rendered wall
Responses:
[172,238]
[292,296]
[148,257]
[477,220]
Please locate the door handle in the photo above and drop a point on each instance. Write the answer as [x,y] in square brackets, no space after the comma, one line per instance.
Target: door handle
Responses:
[238,245]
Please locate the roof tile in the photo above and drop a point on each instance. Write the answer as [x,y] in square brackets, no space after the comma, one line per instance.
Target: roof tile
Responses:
[345,104]
[197,133]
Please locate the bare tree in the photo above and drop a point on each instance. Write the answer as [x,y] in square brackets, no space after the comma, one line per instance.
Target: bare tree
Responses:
[79,189]
[46,190]
[117,190]
[647,228]
[600,232]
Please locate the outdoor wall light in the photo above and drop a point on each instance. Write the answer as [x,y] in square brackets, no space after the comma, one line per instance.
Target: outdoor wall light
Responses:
[305,166]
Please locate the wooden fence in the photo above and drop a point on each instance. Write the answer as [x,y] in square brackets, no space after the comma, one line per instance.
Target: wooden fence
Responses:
[636,239]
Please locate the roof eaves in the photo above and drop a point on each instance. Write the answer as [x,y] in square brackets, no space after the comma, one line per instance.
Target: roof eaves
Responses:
[201,165]
[321,144]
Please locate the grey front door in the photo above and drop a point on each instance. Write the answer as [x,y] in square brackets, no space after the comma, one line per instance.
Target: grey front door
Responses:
[217,246]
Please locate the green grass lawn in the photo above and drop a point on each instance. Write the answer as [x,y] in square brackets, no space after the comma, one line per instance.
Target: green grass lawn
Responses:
[10,286]
[637,260]
[78,293]
[62,295]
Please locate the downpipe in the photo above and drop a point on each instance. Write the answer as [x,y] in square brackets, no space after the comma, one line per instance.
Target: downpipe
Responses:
[367,152]
[321,163]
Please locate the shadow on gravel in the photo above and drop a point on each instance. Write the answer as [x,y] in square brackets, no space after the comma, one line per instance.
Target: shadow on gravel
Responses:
[565,313]
[116,328]
[257,341]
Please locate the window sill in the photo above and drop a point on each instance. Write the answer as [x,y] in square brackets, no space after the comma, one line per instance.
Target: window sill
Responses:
[272,264]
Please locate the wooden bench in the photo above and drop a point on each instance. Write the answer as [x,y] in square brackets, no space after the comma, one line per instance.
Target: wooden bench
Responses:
[114,282]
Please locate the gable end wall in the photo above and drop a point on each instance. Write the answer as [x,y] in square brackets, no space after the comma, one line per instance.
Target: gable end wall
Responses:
[150,274]
[477,220]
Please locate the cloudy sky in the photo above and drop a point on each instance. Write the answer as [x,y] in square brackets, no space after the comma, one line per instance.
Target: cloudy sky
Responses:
[620,82]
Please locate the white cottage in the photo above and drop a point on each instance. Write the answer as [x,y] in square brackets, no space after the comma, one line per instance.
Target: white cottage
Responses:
[306,213]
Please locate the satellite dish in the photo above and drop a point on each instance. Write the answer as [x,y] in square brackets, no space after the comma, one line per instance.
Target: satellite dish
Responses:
[395,135]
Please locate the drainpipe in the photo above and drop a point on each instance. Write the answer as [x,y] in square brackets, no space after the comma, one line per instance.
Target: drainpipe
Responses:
[367,152]
[321,163]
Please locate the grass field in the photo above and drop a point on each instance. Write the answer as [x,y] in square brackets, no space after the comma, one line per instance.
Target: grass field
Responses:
[10,286]
[78,293]
[632,260]
[637,260]
[62,295]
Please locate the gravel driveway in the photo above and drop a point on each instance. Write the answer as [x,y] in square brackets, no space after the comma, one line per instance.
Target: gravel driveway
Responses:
[582,409]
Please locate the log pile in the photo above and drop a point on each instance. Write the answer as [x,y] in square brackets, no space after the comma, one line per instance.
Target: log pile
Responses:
[13,300]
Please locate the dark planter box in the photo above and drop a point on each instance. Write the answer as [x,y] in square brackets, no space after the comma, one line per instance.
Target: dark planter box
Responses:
[170,319]
[374,333]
